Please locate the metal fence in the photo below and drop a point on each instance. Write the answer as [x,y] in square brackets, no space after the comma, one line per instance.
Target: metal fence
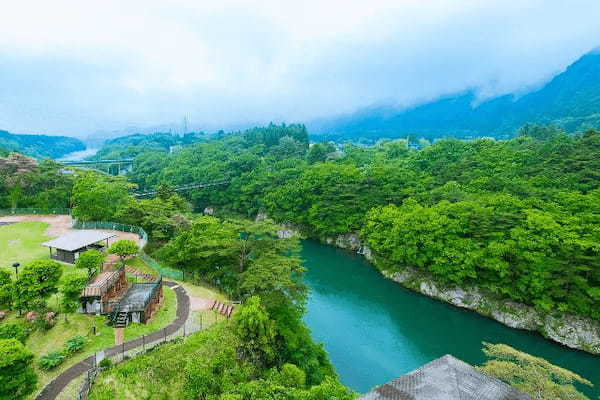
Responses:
[161,269]
[115,226]
[35,211]
[148,345]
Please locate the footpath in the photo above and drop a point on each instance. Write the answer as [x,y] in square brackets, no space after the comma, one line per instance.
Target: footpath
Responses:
[56,386]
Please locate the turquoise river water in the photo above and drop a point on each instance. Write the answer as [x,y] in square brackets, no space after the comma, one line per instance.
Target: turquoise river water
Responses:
[375,330]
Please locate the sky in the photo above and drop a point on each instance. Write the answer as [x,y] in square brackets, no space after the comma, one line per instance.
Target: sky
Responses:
[84,68]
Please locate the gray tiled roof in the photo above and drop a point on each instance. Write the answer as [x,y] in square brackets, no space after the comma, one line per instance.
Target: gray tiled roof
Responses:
[78,240]
[446,378]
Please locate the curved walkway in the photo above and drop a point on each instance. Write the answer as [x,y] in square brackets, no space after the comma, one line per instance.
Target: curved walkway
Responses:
[53,389]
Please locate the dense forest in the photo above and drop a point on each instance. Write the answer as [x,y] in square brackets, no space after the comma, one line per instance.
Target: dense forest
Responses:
[40,146]
[517,217]
[571,100]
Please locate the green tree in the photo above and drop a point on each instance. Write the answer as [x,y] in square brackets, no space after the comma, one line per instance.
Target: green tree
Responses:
[72,286]
[97,198]
[318,152]
[17,378]
[124,248]
[532,375]
[38,281]
[91,260]
[6,289]
[255,330]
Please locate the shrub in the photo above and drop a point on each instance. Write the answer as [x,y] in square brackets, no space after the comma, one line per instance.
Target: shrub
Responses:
[17,378]
[51,360]
[14,331]
[42,323]
[75,344]
[105,363]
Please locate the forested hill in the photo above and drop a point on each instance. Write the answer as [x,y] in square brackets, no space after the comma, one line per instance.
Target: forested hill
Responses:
[132,145]
[40,146]
[571,101]
[519,217]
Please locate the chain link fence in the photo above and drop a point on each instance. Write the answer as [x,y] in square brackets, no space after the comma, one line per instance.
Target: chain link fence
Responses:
[35,211]
[118,355]
[171,273]
[115,226]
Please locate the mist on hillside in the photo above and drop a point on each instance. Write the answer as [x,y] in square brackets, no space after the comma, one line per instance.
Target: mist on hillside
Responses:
[81,70]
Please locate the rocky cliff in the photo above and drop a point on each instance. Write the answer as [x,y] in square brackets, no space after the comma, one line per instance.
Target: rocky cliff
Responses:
[572,331]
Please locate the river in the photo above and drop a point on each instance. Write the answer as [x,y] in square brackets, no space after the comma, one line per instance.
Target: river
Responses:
[375,330]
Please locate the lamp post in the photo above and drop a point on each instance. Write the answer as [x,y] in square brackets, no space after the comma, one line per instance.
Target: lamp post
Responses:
[16,267]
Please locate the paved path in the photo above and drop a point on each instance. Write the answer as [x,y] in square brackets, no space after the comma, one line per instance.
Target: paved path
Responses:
[53,389]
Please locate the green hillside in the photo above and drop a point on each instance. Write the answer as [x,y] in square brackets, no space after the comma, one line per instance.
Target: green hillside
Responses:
[571,101]
[40,146]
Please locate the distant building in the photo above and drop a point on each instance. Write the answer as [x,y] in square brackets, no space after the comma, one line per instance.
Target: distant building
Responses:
[446,378]
[68,248]
[173,149]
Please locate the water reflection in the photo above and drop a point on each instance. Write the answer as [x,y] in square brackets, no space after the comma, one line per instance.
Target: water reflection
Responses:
[375,330]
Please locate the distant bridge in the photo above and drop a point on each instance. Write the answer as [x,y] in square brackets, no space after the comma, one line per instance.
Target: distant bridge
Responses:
[183,188]
[122,166]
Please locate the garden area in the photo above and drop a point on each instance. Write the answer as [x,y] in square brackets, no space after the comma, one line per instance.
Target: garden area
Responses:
[38,307]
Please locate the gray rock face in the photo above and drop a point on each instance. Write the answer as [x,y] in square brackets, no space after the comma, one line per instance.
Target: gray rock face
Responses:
[349,241]
[287,231]
[571,331]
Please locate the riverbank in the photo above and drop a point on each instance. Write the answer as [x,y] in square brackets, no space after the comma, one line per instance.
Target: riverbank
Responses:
[571,331]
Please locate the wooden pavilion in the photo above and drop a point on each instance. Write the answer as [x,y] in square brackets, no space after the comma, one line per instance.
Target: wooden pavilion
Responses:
[67,248]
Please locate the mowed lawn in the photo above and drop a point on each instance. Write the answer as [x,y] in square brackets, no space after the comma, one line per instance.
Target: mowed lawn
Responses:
[22,243]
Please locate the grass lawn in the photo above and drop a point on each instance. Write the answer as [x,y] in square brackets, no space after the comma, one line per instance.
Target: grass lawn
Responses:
[141,266]
[202,291]
[22,243]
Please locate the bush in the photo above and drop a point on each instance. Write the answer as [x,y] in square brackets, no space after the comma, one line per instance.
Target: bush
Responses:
[17,378]
[14,331]
[51,360]
[42,323]
[75,344]
[105,363]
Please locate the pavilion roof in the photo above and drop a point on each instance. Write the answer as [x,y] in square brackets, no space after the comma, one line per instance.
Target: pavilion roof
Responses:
[78,240]
[445,378]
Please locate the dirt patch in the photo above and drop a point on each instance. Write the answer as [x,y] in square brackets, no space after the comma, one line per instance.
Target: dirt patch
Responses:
[60,225]
[199,303]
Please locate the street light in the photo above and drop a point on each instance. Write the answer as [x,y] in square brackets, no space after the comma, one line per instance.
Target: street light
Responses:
[16,267]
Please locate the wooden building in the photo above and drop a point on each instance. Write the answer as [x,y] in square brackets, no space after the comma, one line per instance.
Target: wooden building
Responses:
[102,294]
[67,248]
[445,378]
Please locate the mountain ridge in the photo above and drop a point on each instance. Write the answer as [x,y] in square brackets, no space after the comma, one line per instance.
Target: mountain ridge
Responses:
[40,146]
[570,100]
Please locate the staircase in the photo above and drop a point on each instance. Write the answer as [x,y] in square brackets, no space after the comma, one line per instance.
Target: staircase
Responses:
[224,309]
[121,320]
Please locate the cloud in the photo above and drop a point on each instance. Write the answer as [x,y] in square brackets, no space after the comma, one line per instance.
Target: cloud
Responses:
[74,68]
